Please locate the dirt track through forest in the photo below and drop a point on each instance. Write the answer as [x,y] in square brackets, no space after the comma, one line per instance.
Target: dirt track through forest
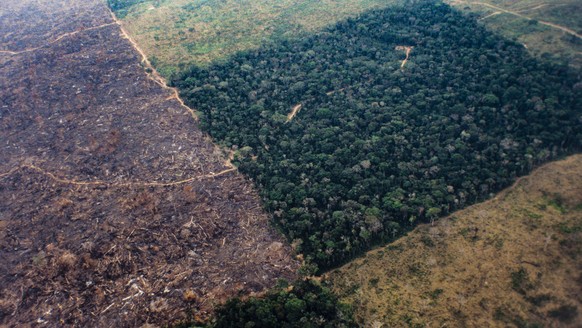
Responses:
[294,112]
[407,49]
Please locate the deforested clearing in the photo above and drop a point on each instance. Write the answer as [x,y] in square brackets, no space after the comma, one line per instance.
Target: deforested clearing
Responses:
[115,209]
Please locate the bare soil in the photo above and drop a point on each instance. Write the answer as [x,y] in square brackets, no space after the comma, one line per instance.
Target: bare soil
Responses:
[406,49]
[115,209]
[294,112]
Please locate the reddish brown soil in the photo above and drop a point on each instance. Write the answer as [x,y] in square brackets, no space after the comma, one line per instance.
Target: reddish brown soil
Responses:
[112,212]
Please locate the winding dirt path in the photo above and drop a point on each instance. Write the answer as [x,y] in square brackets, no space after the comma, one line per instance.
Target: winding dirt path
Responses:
[490,15]
[567,30]
[153,73]
[533,8]
[59,38]
[334,91]
[562,28]
[408,49]
[57,179]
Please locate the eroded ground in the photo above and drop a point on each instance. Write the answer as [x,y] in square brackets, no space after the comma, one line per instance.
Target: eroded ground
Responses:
[115,210]
[513,261]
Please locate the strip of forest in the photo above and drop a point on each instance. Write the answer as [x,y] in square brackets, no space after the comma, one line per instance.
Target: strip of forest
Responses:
[377,149]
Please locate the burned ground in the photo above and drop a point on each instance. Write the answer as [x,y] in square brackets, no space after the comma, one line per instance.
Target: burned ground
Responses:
[115,210]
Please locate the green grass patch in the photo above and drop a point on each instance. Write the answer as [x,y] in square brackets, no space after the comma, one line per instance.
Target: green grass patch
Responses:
[568,228]
[202,32]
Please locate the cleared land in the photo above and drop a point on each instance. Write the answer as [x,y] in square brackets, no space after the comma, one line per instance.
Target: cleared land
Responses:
[115,209]
[548,29]
[512,261]
[178,33]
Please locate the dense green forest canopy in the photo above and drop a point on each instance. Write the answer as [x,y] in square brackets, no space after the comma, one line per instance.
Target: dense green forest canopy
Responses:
[377,148]
[548,29]
[306,305]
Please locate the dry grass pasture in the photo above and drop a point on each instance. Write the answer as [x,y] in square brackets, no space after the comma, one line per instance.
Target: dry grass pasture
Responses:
[548,29]
[513,261]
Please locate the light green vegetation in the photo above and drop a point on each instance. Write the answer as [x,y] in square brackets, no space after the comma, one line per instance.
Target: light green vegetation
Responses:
[178,33]
[548,29]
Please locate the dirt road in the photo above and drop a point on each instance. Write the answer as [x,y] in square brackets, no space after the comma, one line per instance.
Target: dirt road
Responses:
[562,28]
[407,49]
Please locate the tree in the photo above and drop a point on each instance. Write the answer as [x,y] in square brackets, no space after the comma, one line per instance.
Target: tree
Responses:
[376,148]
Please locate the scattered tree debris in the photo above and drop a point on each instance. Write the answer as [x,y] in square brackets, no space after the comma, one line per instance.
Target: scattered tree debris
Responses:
[115,209]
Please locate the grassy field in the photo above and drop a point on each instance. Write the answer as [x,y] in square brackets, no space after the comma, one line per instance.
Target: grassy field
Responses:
[549,29]
[512,261]
[177,33]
